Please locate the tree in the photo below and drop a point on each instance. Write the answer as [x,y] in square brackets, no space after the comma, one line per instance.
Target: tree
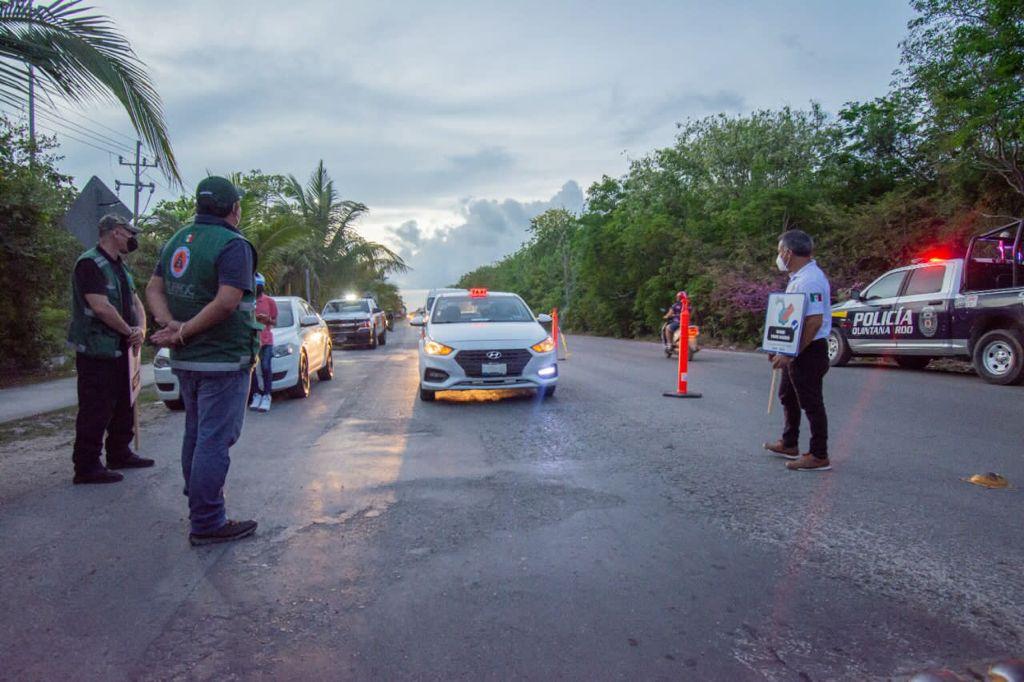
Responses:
[82,57]
[965,60]
[333,252]
[36,252]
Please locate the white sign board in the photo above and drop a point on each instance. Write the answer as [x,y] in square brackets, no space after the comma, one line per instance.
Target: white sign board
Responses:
[784,323]
[134,371]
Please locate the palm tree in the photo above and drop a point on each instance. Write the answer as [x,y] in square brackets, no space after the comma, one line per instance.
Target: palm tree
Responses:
[81,57]
[334,253]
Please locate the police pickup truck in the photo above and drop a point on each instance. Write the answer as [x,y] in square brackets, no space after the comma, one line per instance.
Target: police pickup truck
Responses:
[971,307]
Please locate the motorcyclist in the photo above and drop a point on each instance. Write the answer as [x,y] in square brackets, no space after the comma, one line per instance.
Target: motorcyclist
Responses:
[672,315]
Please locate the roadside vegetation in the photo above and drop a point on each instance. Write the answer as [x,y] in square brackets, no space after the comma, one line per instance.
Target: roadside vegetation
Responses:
[303,231]
[910,174]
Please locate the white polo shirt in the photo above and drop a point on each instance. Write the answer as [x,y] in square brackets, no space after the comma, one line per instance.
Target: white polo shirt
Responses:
[811,280]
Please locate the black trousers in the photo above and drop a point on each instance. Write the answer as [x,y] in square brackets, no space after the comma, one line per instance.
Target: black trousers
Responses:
[800,389]
[104,407]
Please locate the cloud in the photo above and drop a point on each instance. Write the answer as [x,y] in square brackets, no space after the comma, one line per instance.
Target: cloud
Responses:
[489,231]
[639,119]
[408,233]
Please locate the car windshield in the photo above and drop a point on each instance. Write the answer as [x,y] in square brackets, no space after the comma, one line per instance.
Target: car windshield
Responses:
[455,309]
[347,307]
[284,315]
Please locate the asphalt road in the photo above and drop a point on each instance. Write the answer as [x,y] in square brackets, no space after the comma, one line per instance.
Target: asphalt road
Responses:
[608,533]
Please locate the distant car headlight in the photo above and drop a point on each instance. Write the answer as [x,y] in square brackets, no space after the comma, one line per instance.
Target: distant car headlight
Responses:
[161,362]
[284,349]
[431,347]
[545,346]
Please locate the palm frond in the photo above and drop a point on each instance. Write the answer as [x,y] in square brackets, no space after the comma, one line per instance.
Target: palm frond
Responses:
[83,57]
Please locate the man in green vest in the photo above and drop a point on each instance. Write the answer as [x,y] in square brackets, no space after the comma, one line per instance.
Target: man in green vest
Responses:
[106,318]
[202,295]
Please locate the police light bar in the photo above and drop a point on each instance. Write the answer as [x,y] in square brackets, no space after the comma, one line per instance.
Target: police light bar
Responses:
[478,292]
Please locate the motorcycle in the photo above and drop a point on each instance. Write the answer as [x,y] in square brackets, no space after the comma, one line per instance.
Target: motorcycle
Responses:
[693,345]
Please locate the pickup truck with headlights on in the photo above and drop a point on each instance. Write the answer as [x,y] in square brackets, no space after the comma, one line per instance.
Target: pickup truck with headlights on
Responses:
[356,322]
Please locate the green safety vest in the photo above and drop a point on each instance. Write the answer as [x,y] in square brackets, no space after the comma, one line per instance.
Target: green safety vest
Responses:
[87,334]
[190,283]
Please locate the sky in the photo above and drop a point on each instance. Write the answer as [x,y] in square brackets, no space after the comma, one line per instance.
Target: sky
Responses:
[457,122]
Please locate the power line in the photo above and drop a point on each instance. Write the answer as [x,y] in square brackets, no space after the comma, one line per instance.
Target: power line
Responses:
[81,130]
[76,139]
[95,122]
[61,113]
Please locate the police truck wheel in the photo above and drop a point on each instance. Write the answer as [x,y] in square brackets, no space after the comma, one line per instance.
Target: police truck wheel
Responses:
[912,361]
[301,387]
[839,352]
[373,339]
[427,396]
[326,373]
[999,357]
[174,405]
[383,338]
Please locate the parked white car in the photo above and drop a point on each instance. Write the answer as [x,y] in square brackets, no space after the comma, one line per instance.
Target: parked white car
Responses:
[484,340]
[302,345]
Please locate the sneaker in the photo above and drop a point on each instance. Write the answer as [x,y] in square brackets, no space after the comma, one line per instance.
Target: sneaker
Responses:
[809,462]
[133,461]
[100,475]
[256,400]
[232,530]
[784,451]
[265,404]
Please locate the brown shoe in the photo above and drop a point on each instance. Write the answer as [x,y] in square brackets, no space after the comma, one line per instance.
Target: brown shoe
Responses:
[809,462]
[781,450]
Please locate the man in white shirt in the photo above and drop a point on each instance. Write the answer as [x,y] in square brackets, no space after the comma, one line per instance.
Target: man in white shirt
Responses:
[801,385]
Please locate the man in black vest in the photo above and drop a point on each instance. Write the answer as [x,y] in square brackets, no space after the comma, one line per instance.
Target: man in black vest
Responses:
[106,318]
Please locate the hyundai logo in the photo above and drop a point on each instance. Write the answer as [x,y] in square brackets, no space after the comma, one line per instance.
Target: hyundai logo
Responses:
[494,355]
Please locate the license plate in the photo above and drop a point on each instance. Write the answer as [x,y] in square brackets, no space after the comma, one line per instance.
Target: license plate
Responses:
[493,368]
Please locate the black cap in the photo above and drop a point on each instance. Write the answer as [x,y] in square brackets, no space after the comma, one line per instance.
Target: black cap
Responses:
[219,191]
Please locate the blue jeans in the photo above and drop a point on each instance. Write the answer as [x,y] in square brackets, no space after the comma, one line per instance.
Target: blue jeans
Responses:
[214,412]
[265,370]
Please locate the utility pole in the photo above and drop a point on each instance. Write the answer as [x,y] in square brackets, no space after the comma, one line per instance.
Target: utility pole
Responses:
[31,108]
[141,162]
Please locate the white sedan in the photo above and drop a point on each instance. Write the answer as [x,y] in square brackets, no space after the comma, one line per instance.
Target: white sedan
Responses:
[484,340]
[302,345]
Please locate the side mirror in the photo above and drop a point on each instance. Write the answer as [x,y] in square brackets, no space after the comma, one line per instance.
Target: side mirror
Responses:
[856,294]
[417,321]
[309,321]
[377,310]
[544,318]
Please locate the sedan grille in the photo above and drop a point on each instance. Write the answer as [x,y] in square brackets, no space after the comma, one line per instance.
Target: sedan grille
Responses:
[471,360]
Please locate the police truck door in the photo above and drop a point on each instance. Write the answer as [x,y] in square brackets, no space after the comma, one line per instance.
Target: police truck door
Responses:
[930,309]
[872,329]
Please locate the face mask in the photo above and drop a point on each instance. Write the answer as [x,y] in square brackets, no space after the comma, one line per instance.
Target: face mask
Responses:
[781,264]
[133,244]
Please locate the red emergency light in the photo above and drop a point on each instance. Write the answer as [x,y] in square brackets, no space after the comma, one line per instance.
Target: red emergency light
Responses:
[478,292]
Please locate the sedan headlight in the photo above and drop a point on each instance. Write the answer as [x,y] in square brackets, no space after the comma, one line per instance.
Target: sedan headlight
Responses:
[431,347]
[161,362]
[284,349]
[545,346]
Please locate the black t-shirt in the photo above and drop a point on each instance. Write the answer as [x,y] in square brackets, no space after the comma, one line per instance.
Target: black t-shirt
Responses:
[90,280]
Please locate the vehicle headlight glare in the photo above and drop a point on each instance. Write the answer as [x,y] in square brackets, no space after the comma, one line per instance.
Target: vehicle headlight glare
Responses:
[431,347]
[283,350]
[548,371]
[545,346]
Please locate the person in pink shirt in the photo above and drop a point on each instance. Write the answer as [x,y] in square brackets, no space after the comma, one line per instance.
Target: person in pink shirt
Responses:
[266,314]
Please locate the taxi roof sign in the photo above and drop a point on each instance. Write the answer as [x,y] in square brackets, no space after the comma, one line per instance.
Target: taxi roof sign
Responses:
[478,292]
